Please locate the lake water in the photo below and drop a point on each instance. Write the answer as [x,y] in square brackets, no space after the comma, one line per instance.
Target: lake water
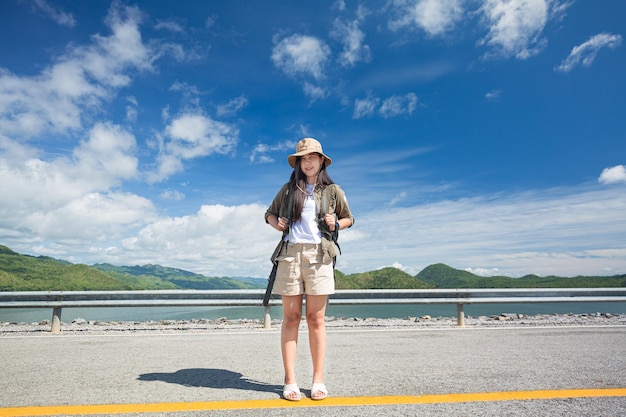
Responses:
[365,311]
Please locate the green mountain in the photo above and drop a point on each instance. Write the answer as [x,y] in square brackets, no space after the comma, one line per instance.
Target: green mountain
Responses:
[29,273]
[443,276]
[386,278]
[160,277]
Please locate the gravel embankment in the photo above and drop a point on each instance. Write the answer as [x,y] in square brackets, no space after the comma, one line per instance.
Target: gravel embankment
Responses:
[81,326]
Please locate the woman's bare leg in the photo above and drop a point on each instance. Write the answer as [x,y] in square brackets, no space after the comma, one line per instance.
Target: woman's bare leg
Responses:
[315,317]
[292,315]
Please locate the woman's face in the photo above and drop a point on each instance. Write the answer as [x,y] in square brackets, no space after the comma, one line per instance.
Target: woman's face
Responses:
[311,164]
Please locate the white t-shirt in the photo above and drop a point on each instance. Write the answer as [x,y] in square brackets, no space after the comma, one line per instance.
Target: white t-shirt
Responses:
[306,230]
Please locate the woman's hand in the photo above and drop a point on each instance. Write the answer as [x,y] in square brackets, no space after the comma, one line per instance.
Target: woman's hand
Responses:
[330,221]
[282,224]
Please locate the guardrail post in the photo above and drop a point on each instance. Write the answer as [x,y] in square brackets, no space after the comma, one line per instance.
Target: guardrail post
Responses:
[56,320]
[460,315]
[267,321]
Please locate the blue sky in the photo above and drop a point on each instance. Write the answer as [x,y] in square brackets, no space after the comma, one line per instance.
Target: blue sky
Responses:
[487,135]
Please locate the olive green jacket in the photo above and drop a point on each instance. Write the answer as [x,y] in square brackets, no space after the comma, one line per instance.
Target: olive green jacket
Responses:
[336,203]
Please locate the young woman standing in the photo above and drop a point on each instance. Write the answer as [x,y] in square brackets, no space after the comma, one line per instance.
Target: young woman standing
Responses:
[308,210]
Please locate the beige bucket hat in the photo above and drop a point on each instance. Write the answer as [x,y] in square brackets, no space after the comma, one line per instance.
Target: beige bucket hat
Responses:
[305,147]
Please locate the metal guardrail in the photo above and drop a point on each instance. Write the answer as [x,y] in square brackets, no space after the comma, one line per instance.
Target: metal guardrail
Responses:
[57,300]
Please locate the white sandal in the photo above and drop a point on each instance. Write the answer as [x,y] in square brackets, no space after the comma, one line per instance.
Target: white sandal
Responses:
[289,389]
[318,387]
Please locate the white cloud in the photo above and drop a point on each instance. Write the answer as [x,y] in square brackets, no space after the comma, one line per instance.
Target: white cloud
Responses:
[56,99]
[94,217]
[192,136]
[197,135]
[109,154]
[54,12]
[398,105]
[314,92]
[613,175]
[191,94]
[210,22]
[435,17]
[298,55]
[131,109]
[365,107]
[26,104]
[493,95]
[352,38]
[206,241]
[397,199]
[172,195]
[68,199]
[98,163]
[30,184]
[391,106]
[585,53]
[339,5]
[232,107]
[261,152]
[484,272]
[170,25]
[124,49]
[515,26]
[400,267]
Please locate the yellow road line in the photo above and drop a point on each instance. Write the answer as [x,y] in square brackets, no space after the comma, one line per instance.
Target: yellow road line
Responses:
[329,402]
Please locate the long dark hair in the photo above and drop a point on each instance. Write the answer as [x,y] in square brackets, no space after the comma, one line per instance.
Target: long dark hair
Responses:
[297,183]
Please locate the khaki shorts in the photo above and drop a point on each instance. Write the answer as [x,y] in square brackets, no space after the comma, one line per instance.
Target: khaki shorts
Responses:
[302,271]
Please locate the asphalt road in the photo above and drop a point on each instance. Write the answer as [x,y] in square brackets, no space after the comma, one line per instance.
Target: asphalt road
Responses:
[381,366]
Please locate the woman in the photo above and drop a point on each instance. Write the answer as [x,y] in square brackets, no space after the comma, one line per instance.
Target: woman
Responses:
[308,210]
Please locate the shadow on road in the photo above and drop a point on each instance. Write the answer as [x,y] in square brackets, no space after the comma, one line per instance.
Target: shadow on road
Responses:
[211,378]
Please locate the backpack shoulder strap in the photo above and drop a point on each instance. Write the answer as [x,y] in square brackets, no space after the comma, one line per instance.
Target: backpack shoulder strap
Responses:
[289,210]
[325,198]
[323,210]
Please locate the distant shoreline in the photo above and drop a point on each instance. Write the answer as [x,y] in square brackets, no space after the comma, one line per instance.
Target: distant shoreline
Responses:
[98,327]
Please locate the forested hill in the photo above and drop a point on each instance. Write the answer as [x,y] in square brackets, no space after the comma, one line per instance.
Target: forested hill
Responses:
[443,276]
[386,278]
[28,273]
[160,277]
